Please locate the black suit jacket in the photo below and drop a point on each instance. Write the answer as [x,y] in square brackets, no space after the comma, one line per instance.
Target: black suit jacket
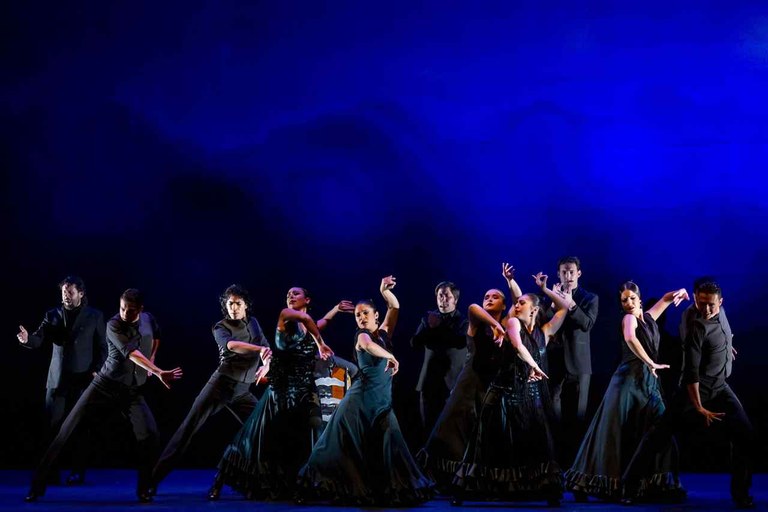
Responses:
[572,343]
[79,350]
[445,350]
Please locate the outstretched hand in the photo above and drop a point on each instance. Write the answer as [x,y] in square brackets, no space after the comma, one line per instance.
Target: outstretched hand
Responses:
[508,271]
[345,306]
[536,374]
[541,280]
[498,334]
[392,364]
[168,376]
[387,283]
[655,366]
[710,416]
[325,351]
[679,296]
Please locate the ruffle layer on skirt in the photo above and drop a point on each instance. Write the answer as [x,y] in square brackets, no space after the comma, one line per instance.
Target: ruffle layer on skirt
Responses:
[253,479]
[313,486]
[658,487]
[542,480]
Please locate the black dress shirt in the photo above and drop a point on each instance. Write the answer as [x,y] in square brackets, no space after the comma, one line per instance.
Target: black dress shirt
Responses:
[241,367]
[122,339]
[708,353]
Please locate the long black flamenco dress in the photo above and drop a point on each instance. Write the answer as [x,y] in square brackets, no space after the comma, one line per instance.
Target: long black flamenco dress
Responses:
[631,405]
[512,454]
[362,457]
[444,450]
[266,454]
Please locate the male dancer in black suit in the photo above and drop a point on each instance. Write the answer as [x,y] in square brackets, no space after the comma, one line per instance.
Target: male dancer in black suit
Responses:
[706,398]
[570,358]
[131,334]
[443,334]
[242,350]
[76,334]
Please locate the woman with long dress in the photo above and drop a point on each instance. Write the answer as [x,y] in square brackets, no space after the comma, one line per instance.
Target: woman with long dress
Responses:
[511,455]
[362,457]
[444,450]
[630,406]
[264,458]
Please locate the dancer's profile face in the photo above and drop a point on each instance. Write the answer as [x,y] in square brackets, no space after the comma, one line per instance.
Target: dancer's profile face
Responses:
[493,301]
[236,307]
[630,301]
[129,311]
[524,308]
[366,317]
[297,299]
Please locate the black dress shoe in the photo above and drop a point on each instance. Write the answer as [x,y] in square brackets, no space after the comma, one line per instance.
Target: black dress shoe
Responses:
[75,478]
[744,502]
[214,492]
[144,496]
[33,494]
[152,490]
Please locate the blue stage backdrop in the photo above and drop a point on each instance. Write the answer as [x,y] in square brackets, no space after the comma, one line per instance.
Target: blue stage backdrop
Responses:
[178,147]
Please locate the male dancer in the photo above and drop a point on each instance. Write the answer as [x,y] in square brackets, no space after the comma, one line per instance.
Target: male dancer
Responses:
[707,398]
[443,334]
[117,388]
[569,355]
[76,334]
[242,347]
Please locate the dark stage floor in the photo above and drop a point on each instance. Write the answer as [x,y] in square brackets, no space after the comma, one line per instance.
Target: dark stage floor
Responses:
[185,490]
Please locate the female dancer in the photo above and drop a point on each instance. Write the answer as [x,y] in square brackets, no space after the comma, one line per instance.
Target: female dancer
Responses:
[362,457]
[444,450]
[512,455]
[631,404]
[263,459]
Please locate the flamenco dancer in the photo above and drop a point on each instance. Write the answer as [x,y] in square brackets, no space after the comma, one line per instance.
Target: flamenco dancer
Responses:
[631,405]
[264,458]
[362,457]
[444,450]
[243,353]
[512,454]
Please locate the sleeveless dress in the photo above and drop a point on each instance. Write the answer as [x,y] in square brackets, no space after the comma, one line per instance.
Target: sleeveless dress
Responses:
[362,457]
[512,454]
[266,454]
[444,450]
[630,406]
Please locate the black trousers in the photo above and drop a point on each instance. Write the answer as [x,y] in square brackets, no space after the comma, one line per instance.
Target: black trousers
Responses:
[219,392]
[100,399]
[59,402]
[681,415]
[573,391]
[569,400]
[431,404]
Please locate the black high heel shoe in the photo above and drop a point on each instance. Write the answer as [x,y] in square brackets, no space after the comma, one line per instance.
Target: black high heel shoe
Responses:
[215,491]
